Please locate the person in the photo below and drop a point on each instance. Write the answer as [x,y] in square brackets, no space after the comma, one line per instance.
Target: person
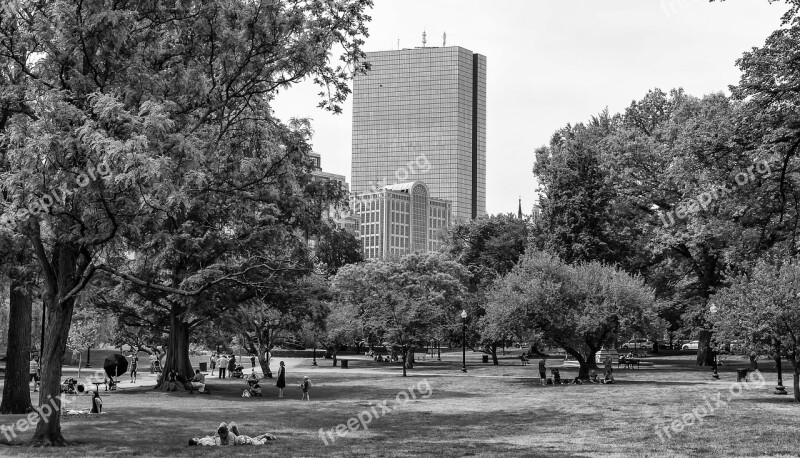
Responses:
[134,366]
[231,365]
[305,385]
[224,436]
[223,366]
[543,370]
[199,381]
[593,377]
[213,361]
[629,355]
[247,440]
[97,403]
[253,361]
[152,359]
[607,366]
[608,379]
[34,373]
[281,384]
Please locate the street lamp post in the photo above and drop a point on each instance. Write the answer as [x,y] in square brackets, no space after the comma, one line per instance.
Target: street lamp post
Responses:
[713,309]
[779,389]
[88,354]
[464,341]
[314,363]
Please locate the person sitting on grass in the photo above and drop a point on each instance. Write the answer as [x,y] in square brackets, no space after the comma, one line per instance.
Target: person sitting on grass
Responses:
[593,377]
[229,435]
[609,378]
[199,381]
[224,436]
[97,403]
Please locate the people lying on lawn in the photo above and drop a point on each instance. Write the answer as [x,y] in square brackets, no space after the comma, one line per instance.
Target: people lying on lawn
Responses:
[230,436]
[242,439]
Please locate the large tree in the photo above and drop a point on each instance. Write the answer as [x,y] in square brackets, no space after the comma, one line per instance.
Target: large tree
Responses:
[131,115]
[760,309]
[489,247]
[579,307]
[403,300]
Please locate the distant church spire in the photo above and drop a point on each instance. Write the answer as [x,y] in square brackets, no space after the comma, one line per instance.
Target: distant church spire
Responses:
[424,38]
[444,40]
[519,211]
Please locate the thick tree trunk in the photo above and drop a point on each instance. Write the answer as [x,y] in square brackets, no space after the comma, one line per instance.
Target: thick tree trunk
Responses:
[705,357]
[405,358]
[177,350]
[16,391]
[796,381]
[59,318]
[584,366]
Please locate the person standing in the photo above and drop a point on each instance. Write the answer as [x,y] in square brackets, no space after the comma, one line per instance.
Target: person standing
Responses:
[253,361]
[543,370]
[281,380]
[231,365]
[223,365]
[305,385]
[34,373]
[134,366]
[97,403]
[152,359]
[213,361]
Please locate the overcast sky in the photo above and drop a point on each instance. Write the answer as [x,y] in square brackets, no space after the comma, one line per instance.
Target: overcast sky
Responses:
[553,62]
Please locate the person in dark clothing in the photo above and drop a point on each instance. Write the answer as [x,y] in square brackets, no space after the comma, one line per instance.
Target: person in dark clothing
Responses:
[252,360]
[231,364]
[281,380]
[543,370]
[97,403]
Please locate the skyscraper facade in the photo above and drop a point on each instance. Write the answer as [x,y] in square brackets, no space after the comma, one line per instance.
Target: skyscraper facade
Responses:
[420,114]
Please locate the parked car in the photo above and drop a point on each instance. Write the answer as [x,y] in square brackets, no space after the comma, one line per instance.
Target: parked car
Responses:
[637,344]
[693,345]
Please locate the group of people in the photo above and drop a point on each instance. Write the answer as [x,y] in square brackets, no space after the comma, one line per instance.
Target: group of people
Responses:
[383,359]
[305,385]
[608,375]
[226,365]
[230,435]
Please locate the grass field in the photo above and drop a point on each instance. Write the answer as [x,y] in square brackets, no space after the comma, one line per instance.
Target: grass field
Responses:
[490,411]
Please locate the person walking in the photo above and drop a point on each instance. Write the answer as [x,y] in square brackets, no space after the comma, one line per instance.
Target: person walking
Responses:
[281,380]
[305,385]
[213,361]
[223,365]
[543,370]
[34,373]
[152,359]
[253,361]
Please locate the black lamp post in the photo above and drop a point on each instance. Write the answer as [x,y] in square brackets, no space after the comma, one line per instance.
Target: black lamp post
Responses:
[464,341]
[314,363]
[779,389]
[88,353]
[713,309]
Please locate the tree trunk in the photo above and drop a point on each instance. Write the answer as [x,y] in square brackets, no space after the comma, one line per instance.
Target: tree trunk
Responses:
[16,391]
[796,382]
[705,357]
[59,318]
[405,358]
[493,352]
[177,349]
[591,360]
[583,371]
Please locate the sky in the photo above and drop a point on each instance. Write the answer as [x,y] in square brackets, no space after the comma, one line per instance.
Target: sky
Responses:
[551,63]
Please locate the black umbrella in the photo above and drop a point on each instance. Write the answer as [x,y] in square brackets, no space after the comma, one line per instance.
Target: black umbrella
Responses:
[115,365]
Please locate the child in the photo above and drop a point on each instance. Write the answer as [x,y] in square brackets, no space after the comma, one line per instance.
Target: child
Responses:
[305,385]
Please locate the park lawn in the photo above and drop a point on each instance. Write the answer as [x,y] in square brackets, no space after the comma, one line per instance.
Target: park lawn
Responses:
[493,410]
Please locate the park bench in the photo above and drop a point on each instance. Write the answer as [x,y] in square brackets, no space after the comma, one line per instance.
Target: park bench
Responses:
[628,362]
[523,359]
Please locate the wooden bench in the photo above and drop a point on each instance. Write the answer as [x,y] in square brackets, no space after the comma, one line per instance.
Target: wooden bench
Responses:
[628,362]
[524,360]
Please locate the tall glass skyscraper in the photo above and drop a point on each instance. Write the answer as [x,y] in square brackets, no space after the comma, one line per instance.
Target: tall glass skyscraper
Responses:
[420,114]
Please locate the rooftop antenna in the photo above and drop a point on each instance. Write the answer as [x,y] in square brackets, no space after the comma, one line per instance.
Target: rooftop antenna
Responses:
[444,40]
[424,39]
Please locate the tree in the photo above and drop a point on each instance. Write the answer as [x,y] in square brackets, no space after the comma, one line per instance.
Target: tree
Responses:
[489,247]
[173,102]
[760,309]
[338,247]
[403,300]
[83,334]
[16,389]
[579,307]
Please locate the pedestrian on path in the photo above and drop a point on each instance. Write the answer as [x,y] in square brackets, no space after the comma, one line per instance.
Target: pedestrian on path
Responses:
[281,380]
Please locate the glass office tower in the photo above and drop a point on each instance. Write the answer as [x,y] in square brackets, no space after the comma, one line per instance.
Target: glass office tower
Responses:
[420,114]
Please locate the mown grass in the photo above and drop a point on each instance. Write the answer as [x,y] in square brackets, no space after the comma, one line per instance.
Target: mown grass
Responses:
[491,411]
